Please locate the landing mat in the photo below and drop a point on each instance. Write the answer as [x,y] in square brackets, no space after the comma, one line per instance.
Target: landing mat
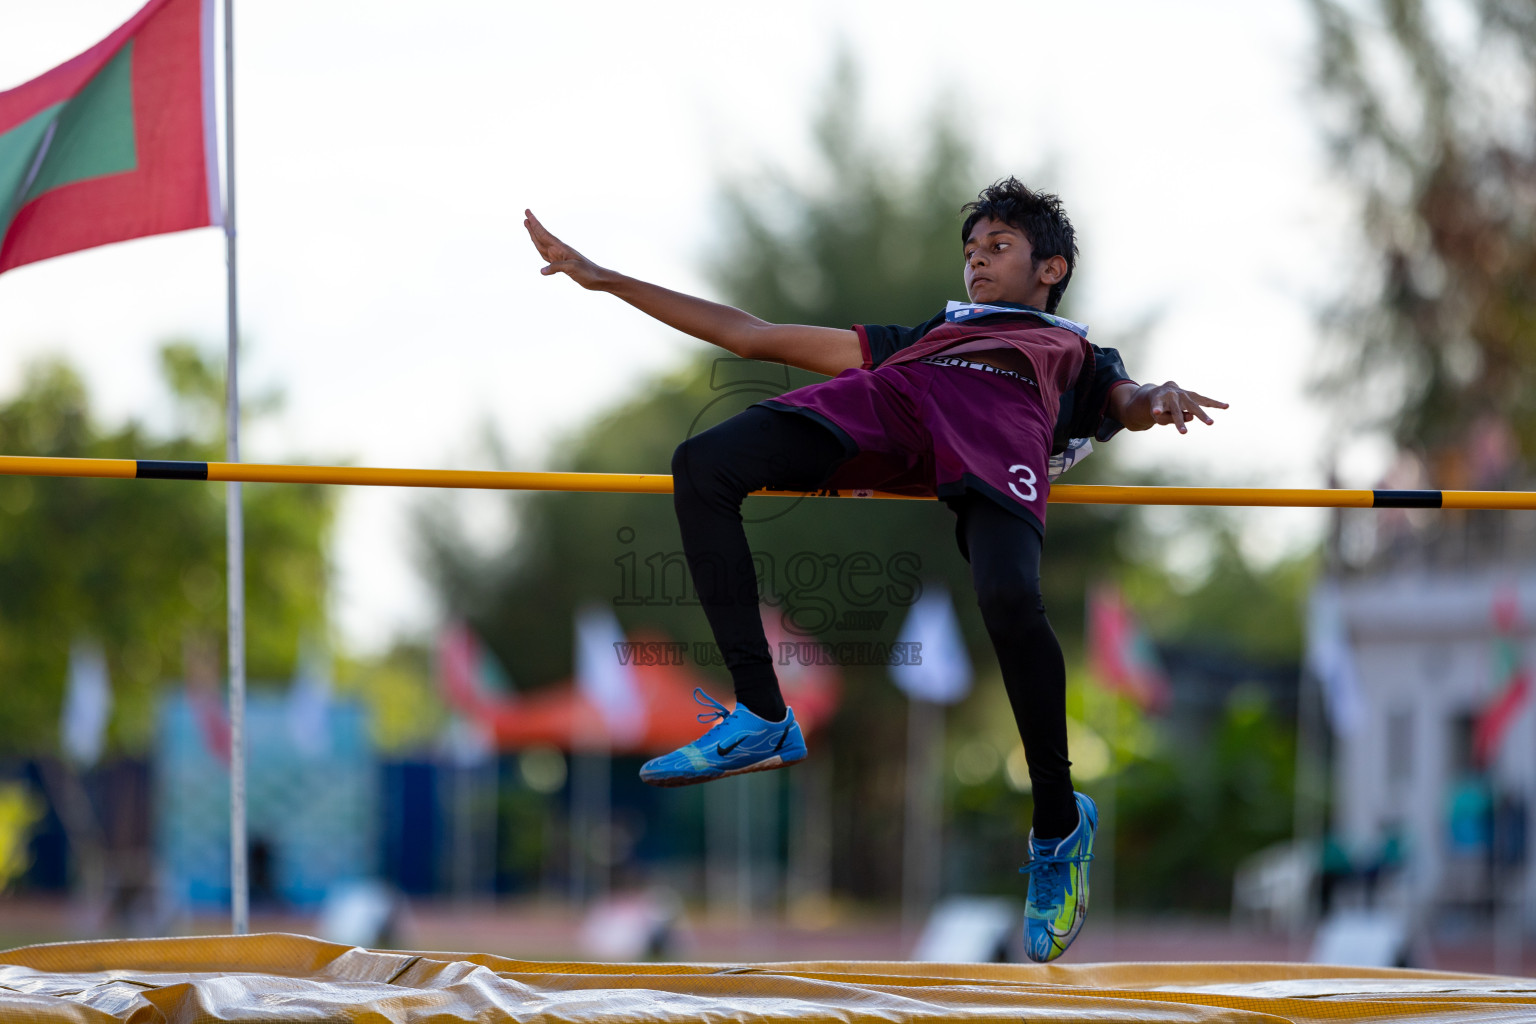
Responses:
[295,978]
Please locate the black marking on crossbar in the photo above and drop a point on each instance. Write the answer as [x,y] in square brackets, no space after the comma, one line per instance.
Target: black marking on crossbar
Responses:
[155,469]
[1406,499]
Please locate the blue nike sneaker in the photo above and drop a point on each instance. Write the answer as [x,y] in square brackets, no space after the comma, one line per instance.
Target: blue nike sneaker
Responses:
[740,742]
[1057,903]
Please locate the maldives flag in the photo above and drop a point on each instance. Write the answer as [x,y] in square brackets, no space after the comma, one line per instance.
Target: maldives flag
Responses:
[1511,678]
[1119,654]
[469,675]
[118,143]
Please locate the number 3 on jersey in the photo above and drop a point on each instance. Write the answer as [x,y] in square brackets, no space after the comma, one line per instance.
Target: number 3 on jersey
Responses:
[1026,476]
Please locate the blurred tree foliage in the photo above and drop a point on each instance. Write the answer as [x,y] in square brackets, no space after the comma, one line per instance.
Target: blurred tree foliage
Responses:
[1431,113]
[139,566]
[1216,785]
[406,713]
[1235,605]
[1190,813]
[20,810]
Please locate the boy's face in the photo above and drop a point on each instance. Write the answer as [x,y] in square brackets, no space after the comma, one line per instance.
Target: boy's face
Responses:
[999,266]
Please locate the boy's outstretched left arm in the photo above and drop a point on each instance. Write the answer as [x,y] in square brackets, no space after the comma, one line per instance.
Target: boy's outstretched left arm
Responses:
[1150,404]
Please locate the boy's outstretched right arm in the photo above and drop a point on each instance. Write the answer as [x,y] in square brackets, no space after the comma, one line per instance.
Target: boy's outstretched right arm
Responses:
[818,349]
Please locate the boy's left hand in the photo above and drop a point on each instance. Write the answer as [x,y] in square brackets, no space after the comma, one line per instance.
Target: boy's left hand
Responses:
[1152,404]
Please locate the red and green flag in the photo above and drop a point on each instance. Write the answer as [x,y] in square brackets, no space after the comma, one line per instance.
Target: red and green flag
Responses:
[1512,680]
[117,143]
[1120,655]
[473,681]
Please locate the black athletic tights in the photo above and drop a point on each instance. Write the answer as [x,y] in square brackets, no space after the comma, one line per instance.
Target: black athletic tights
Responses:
[762,447]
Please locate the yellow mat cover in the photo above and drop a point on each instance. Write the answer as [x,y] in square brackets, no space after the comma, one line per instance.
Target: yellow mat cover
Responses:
[297,978]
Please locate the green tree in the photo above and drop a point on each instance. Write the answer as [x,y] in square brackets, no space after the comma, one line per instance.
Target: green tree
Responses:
[1430,119]
[138,565]
[1189,813]
[1236,606]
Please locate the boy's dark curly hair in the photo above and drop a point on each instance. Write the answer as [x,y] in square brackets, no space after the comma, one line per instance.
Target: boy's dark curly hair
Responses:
[1039,215]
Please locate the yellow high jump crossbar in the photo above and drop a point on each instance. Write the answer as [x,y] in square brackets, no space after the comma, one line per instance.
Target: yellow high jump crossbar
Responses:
[661,483]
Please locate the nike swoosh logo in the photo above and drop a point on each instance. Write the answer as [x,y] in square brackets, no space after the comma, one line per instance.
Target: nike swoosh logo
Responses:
[722,751]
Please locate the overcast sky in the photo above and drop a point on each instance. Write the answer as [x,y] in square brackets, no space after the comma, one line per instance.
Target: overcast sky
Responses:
[386,151]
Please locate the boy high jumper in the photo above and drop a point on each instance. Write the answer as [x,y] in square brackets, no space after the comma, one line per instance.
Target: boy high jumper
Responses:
[969,407]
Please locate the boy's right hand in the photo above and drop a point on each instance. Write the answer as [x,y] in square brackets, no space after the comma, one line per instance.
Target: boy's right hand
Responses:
[562,259]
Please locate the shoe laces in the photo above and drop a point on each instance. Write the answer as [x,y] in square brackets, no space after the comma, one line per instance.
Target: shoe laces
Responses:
[718,713]
[1048,883]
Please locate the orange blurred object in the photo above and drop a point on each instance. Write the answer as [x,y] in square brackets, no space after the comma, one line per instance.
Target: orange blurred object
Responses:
[561,716]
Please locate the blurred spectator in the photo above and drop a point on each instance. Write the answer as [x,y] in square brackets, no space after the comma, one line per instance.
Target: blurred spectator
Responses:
[1386,862]
[1337,870]
[1509,831]
[1469,815]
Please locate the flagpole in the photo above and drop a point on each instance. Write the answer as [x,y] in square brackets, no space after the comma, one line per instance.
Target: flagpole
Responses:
[234,525]
[922,841]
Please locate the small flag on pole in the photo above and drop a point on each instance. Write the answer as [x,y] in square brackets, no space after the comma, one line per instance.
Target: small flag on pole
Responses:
[203,699]
[87,704]
[941,671]
[469,675]
[606,679]
[309,704]
[1512,680]
[117,143]
[1119,653]
[1331,660]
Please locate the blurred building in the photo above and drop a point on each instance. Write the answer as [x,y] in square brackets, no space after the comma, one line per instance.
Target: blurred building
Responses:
[1433,760]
